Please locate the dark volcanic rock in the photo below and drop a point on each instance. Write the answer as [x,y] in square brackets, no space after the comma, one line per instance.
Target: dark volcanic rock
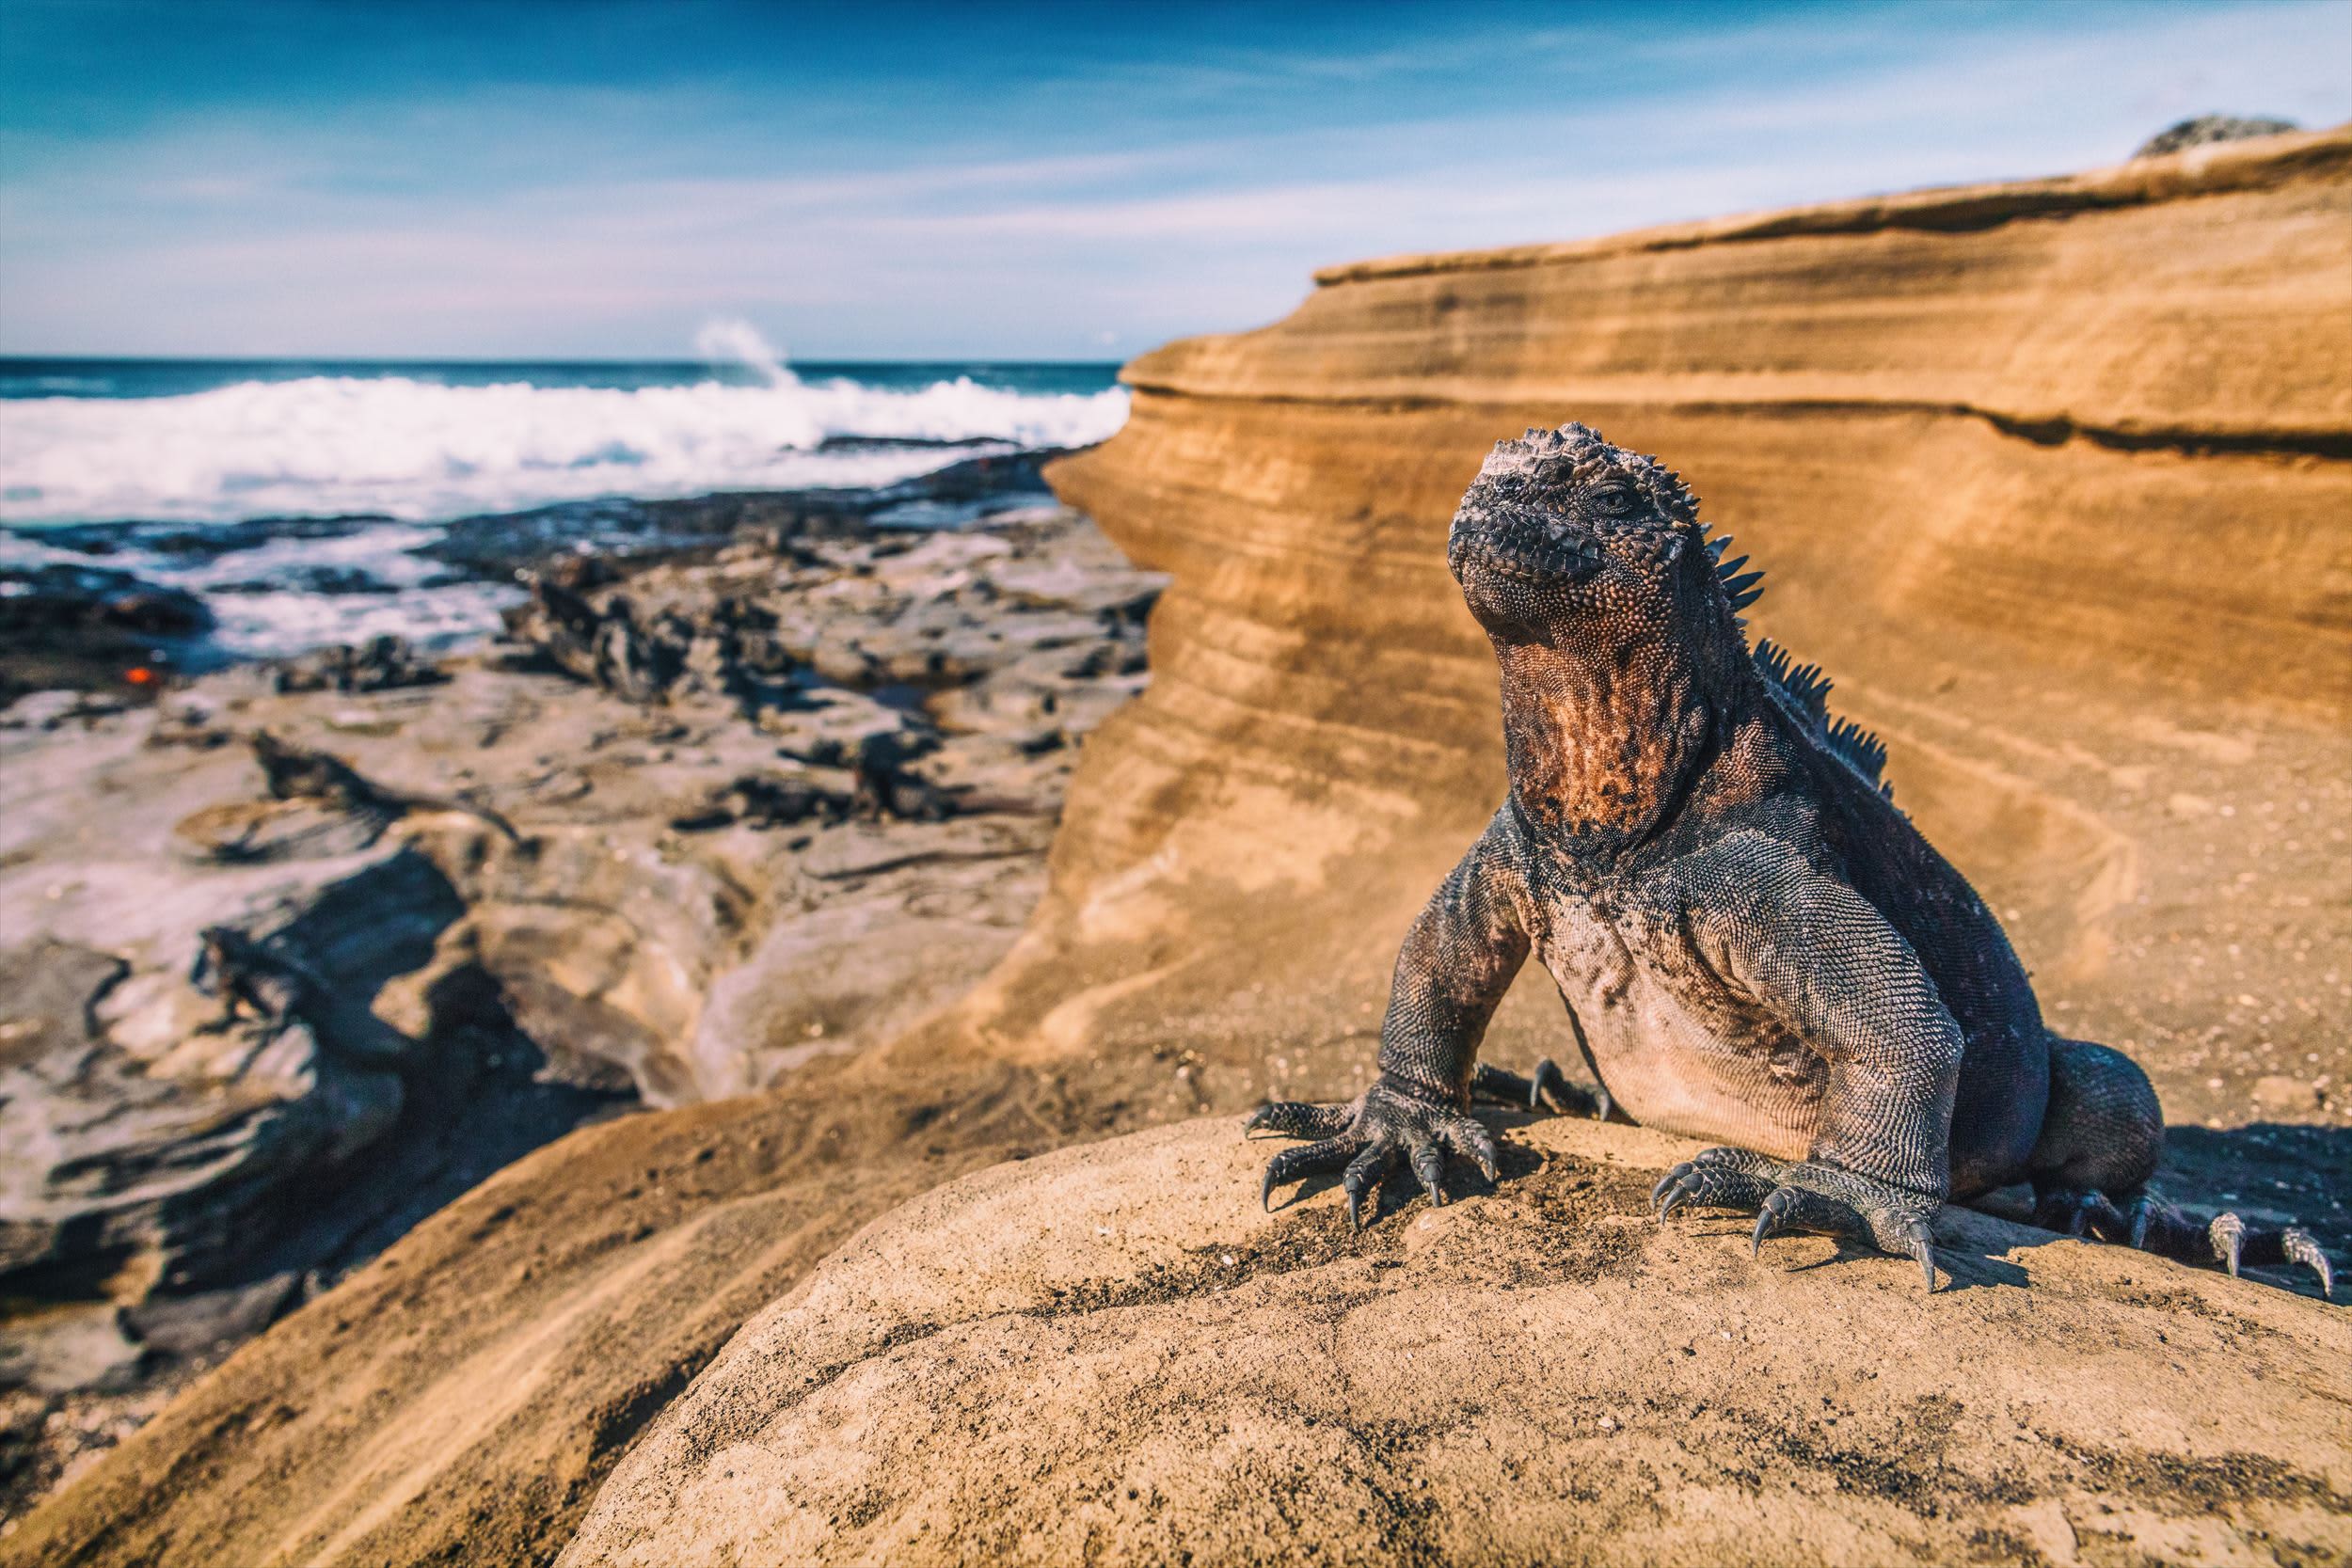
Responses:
[642,532]
[203,541]
[64,596]
[310,579]
[89,626]
[379,664]
[722,647]
[2207,129]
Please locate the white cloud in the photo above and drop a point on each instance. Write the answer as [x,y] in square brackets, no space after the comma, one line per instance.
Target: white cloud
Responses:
[232,237]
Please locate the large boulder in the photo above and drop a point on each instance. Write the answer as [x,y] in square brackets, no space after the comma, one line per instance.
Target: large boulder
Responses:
[1110,1355]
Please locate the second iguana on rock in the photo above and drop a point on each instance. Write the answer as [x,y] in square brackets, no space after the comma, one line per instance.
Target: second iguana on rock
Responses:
[1754,944]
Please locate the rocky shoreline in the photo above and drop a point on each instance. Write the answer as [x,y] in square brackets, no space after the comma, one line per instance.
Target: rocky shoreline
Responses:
[747,781]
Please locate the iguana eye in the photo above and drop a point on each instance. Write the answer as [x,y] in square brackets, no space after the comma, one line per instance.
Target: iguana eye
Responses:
[1614,500]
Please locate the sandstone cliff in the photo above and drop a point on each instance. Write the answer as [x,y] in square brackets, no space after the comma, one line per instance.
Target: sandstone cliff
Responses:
[2050,477]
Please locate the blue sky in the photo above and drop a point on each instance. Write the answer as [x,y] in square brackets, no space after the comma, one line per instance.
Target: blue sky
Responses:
[587,179]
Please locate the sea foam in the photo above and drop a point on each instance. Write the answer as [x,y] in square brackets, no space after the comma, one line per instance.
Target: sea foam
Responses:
[418,450]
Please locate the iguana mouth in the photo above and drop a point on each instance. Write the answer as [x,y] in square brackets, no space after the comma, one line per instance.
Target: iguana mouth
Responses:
[1542,560]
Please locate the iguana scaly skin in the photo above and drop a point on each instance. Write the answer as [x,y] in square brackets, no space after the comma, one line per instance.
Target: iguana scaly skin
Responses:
[1754,944]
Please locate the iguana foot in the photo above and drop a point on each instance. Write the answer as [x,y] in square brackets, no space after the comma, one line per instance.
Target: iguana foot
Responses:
[1369,1138]
[2079,1212]
[1789,1194]
[1547,1088]
[2145,1220]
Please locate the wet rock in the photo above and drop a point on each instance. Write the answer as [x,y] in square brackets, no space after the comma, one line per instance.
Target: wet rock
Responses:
[652,654]
[63,625]
[309,579]
[191,1326]
[997,479]
[298,939]
[205,542]
[769,800]
[286,994]
[61,595]
[157,1111]
[70,1350]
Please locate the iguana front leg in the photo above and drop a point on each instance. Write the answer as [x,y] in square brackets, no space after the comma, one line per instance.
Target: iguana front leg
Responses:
[1458,960]
[1831,970]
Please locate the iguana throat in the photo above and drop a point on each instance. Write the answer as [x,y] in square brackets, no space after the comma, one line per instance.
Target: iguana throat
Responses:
[1600,754]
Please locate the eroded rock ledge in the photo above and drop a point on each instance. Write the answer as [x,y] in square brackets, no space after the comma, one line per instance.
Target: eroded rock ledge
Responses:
[306,951]
[1108,1353]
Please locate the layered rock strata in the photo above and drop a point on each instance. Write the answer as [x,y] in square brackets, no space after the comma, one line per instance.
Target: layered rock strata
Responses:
[2048,477]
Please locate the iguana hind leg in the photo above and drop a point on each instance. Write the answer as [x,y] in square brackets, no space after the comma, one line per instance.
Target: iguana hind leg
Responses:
[2100,1141]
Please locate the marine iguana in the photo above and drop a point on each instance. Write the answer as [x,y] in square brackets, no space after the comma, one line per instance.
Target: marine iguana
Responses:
[297,773]
[240,973]
[1754,944]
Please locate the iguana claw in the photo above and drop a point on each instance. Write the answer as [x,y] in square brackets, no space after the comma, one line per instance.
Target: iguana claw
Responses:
[2229,1240]
[2150,1224]
[1766,1221]
[1793,1195]
[2301,1247]
[1294,1120]
[1923,1250]
[1369,1138]
[1708,1183]
[1546,1088]
[1292,1164]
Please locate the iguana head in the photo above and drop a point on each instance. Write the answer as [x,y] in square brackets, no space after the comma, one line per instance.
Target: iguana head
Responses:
[1568,541]
[1614,627]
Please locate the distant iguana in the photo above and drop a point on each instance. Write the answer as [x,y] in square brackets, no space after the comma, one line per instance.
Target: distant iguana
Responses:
[298,773]
[241,972]
[1754,944]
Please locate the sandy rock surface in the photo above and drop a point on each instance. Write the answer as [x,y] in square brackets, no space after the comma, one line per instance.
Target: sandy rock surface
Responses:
[710,879]
[1110,1354]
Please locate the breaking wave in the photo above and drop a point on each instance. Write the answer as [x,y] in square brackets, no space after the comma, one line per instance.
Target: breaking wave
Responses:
[426,452]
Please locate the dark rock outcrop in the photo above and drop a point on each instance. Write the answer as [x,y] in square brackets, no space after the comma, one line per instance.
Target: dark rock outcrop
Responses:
[90,628]
[2206,129]
[380,664]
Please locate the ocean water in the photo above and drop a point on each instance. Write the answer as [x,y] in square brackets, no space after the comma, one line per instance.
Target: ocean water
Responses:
[220,441]
[418,445]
